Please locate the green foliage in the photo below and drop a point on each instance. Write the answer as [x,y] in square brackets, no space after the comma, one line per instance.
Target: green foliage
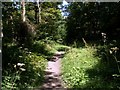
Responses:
[82,68]
[60,47]
[24,58]
[52,31]
[35,66]
[27,46]
[89,20]
[14,30]
[111,56]
[52,25]
[30,74]
[26,33]
[74,65]
[42,48]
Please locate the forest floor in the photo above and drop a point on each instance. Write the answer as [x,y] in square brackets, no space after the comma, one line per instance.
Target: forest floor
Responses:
[53,72]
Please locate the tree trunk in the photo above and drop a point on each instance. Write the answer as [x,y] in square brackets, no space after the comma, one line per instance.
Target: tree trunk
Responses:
[39,19]
[23,11]
[37,11]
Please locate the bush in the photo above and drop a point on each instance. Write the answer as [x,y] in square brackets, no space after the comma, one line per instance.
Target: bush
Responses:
[21,68]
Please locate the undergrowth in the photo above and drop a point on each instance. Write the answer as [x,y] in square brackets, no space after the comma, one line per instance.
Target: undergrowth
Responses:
[84,68]
[22,68]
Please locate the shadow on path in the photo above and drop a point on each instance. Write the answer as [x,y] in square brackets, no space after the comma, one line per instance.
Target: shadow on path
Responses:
[53,73]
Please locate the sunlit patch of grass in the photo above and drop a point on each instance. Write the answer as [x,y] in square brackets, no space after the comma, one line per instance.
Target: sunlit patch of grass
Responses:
[82,68]
[60,47]
[75,64]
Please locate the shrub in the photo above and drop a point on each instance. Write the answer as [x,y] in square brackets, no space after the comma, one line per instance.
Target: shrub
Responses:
[21,68]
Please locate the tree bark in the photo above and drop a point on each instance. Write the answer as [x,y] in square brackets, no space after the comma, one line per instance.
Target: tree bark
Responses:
[39,5]
[37,11]
[23,11]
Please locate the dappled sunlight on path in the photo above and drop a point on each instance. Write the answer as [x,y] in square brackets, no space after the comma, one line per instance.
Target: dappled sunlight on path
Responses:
[53,73]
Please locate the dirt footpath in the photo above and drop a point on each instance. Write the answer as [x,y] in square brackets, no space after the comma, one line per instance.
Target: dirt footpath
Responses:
[53,72]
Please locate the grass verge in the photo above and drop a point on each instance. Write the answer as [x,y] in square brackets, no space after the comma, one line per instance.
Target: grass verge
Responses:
[82,68]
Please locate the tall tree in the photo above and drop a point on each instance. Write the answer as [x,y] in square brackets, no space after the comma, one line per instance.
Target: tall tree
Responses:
[23,11]
[37,11]
[89,20]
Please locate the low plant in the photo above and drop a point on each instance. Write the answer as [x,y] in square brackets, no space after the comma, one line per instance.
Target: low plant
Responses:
[84,68]
[21,68]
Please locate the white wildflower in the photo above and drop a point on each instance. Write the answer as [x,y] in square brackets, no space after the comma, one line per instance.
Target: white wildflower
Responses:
[14,66]
[110,52]
[20,47]
[22,69]
[20,56]
[20,64]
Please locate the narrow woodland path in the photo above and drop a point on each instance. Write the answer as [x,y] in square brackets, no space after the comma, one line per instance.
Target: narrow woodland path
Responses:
[53,73]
